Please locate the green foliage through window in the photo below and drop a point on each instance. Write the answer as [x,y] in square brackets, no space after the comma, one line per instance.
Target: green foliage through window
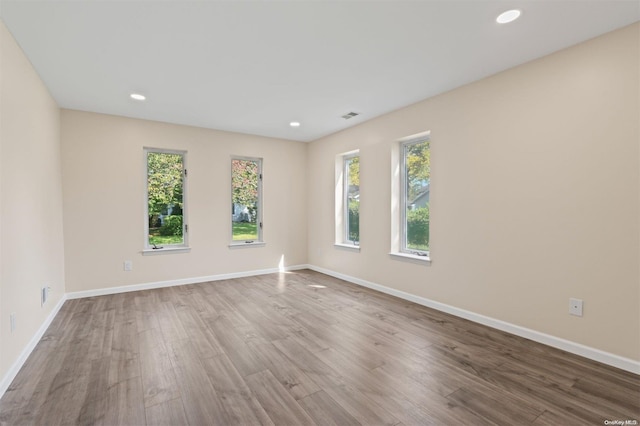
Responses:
[416,195]
[418,229]
[172,226]
[245,189]
[352,198]
[418,168]
[354,221]
[165,186]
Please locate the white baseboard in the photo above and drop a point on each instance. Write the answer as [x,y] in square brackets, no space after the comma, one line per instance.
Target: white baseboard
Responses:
[182,281]
[626,364]
[17,365]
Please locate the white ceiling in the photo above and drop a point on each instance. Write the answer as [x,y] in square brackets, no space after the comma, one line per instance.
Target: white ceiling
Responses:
[253,67]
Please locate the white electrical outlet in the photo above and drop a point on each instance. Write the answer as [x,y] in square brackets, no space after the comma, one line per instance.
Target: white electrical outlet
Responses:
[128,265]
[575,307]
[12,320]
[44,295]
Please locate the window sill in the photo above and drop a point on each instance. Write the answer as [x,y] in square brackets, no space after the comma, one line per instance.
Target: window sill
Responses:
[243,244]
[349,247]
[413,258]
[166,250]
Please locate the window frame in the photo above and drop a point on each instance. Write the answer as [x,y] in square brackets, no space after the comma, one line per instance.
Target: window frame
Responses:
[345,199]
[403,197]
[259,216]
[167,248]
[341,204]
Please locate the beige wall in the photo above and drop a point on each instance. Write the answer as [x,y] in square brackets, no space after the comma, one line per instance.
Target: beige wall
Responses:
[103,176]
[534,199]
[31,237]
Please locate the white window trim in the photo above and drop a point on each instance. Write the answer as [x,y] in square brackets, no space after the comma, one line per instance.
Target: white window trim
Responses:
[398,204]
[239,244]
[349,247]
[412,258]
[341,203]
[259,219]
[171,248]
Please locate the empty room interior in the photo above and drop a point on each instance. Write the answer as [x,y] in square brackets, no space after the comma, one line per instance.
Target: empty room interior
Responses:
[220,212]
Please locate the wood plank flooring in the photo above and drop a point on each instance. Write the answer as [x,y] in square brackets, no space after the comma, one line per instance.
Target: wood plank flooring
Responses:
[299,348]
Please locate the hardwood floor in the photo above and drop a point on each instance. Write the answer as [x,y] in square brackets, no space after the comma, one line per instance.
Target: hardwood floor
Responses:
[299,348]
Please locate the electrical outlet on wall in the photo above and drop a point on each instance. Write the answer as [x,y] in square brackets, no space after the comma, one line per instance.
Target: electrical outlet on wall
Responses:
[44,294]
[128,265]
[12,321]
[575,307]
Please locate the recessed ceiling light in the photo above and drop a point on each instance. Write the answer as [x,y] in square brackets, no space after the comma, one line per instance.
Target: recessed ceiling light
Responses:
[138,97]
[294,124]
[508,16]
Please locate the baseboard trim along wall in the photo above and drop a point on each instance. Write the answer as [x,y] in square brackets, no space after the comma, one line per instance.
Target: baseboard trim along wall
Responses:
[183,281]
[546,339]
[626,364]
[17,365]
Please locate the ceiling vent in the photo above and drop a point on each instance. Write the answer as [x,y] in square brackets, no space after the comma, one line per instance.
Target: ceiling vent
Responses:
[350,115]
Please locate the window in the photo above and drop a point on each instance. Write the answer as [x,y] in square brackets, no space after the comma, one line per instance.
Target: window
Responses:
[246,200]
[351,194]
[415,177]
[347,201]
[165,215]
